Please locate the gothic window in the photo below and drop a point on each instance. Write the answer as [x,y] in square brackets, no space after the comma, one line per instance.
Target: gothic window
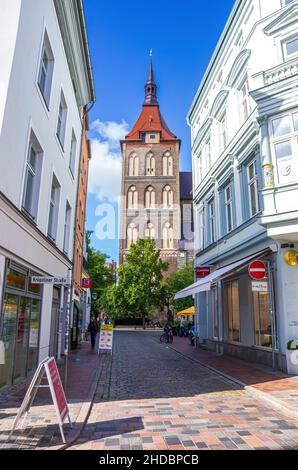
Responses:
[133,165]
[132,198]
[167,197]
[167,164]
[150,165]
[150,198]
[132,234]
[168,236]
[150,231]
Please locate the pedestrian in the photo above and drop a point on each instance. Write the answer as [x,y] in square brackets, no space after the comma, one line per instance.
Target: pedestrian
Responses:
[181,329]
[93,329]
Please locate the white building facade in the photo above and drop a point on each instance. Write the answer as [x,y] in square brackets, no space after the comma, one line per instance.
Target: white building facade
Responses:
[45,81]
[244,130]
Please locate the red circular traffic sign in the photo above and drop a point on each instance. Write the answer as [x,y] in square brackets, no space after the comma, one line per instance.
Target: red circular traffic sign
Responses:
[257,270]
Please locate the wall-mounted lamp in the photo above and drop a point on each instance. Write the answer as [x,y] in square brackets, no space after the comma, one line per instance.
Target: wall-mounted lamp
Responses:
[291,257]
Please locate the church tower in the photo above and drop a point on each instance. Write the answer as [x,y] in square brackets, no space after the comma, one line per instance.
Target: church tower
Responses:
[150,205]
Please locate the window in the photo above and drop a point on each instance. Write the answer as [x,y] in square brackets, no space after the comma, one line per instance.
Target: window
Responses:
[32,178]
[288,1]
[133,165]
[229,208]
[284,134]
[132,235]
[67,228]
[150,165]
[61,125]
[168,236]
[208,154]
[54,208]
[132,198]
[202,228]
[262,322]
[233,311]
[167,164]
[211,214]
[73,149]
[150,231]
[290,47]
[200,167]
[252,176]
[168,198]
[223,132]
[150,198]
[244,100]
[46,68]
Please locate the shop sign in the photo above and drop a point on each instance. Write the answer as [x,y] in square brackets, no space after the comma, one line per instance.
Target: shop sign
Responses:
[49,368]
[106,338]
[202,271]
[48,280]
[87,283]
[259,286]
[257,270]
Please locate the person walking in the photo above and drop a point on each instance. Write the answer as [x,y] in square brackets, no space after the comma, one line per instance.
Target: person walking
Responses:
[93,329]
[181,329]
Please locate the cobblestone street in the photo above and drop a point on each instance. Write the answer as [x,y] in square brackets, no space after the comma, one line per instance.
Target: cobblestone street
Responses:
[159,399]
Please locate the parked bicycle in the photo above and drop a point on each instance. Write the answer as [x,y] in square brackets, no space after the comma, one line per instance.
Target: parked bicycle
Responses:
[167,336]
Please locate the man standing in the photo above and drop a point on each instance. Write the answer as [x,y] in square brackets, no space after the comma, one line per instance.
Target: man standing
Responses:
[181,329]
[93,329]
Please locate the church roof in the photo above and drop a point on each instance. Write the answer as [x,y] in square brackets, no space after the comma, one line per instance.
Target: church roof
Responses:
[150,118]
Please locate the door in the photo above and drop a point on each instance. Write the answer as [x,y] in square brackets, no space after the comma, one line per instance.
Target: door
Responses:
[8,336]
[22,339]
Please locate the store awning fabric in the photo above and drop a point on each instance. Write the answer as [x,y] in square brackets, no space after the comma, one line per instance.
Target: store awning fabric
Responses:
[187,311]
[204,284]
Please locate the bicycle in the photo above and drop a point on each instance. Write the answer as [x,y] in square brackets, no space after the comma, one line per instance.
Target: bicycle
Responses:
[167,337]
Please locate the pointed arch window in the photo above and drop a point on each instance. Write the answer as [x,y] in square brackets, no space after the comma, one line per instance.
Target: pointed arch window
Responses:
[132,198]
[168,197]
[133,165]
[167,164]
[150,231]
[168,236]
[132,234]
[150,198]
[150,165]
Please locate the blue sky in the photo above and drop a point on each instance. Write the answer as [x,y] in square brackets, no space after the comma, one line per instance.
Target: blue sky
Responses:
[183,35]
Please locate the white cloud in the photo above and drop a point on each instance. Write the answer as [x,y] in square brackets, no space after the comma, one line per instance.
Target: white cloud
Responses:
[105,165]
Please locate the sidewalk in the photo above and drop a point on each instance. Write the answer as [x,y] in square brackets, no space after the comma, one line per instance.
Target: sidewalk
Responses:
[278,389]
[41,430]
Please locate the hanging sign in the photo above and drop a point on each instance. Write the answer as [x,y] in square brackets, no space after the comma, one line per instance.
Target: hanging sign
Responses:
[259,286]
[106,338]
[202,271]
[87,283]
[46,369]
[257,270]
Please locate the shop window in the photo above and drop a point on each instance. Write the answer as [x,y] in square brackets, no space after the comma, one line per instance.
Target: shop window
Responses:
[15,279]
[262,322]
[233,311]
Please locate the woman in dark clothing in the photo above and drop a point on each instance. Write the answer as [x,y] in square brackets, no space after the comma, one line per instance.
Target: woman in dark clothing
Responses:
[93,329]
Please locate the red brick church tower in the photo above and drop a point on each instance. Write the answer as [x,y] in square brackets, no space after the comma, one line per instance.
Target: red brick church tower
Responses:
[150,205]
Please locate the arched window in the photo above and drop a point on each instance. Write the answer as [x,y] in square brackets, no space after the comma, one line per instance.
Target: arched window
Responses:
[132,234]
[167,197]
[133,165]
[149,198]
[132,198]
[150,231]
[168,236]
[150,165]
[167,164]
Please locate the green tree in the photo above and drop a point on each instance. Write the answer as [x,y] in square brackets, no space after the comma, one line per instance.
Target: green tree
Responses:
[177,281]
[140,290]
[101,274]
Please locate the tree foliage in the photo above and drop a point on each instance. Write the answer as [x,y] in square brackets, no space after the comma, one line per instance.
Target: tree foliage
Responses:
[177,281]
[140,290]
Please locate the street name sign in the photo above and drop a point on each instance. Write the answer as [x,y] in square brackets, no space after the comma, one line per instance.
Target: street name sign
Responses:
[48,280]
[257,270]
[46,369]
[105,338]
[259,286]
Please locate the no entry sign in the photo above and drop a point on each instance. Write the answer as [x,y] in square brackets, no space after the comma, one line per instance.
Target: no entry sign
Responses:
[257,270]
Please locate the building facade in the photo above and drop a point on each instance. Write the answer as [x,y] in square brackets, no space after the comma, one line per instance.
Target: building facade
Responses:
[244,123]
[46,82]
[150,205]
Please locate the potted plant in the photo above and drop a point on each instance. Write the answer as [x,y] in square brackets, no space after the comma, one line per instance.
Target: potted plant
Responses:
[292,357]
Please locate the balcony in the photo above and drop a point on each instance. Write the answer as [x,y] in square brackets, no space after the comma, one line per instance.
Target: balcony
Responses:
[275,74]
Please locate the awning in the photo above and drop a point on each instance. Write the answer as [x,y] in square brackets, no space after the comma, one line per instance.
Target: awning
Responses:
[204,284]
[187,311]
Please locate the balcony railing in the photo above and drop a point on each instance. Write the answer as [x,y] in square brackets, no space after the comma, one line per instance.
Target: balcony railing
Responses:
[280,72]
